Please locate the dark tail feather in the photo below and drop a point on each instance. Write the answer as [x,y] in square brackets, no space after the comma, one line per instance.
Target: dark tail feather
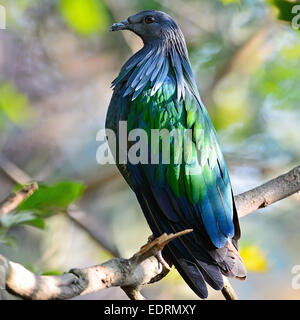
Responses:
[196,273]
[230,261]
[191,275]
[207,270]
[239,270]
[212,275]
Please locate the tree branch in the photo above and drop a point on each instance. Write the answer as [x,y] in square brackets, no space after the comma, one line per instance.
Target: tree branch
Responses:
[130,274]
[13,201]
[143,268]
[269,192]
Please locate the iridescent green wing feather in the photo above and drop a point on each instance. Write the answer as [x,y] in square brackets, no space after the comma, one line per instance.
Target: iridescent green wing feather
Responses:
[201,181]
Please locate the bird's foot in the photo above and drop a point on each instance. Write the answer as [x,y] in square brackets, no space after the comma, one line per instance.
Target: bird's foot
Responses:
[159,255]
[162,261]
[151,238]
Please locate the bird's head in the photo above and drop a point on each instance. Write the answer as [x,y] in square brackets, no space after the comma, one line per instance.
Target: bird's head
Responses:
[150,25]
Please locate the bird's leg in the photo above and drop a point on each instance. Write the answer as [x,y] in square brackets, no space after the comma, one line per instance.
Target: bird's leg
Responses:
[157,245]
[159,255]
[162,260]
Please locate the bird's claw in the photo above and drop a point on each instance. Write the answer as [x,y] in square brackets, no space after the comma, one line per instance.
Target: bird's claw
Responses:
[162,261]
[151,238]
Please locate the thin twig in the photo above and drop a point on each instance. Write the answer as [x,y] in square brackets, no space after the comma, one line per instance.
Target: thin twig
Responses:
[13,172]
[15,199]
[227,291]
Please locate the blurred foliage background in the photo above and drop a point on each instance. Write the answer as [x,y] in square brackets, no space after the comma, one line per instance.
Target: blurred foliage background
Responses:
[57,60]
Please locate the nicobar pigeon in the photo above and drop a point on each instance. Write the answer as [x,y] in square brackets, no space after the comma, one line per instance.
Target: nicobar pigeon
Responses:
[156,89]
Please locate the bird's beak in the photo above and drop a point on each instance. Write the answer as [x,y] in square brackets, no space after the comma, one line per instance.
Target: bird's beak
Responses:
[123,25]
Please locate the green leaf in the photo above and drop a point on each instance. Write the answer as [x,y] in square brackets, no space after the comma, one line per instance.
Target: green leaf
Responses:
[37,222]
[85,17]
[48,200]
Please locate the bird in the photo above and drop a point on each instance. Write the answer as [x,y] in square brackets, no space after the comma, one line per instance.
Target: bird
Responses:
[156,90]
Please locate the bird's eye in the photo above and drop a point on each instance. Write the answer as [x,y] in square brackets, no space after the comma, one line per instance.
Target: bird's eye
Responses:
[149,19]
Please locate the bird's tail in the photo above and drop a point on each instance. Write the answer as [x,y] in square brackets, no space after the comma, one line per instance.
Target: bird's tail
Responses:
[230,261]
[197,271]
[196,263]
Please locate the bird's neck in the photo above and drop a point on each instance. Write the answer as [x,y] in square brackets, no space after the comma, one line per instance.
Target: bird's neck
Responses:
[175,50]
[152,64]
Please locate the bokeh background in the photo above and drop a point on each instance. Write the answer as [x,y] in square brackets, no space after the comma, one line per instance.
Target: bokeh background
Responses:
[57,59]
